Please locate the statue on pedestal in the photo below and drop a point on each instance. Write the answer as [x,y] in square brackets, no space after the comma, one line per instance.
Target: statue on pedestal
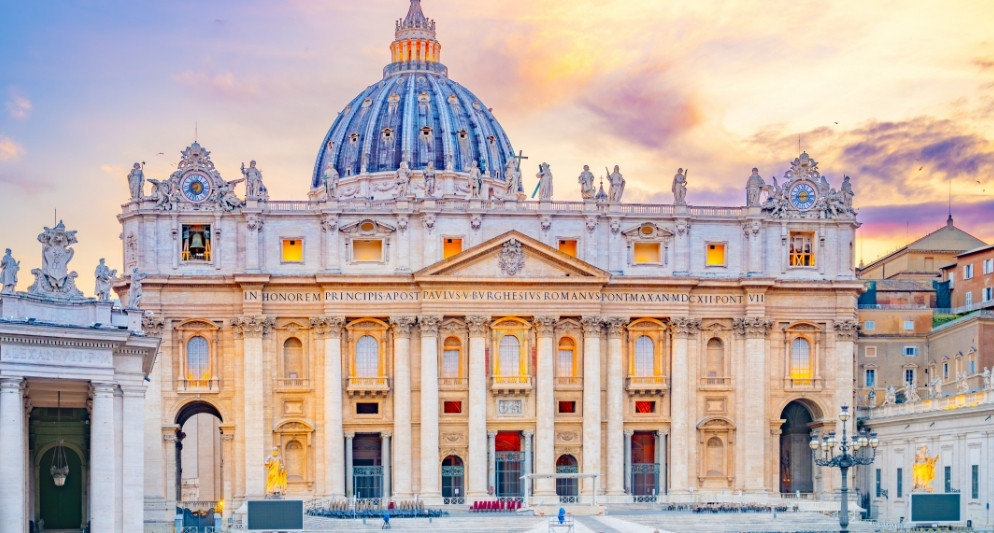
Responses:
[911,391]
[53,279]
[135,292]
[104,276]
[616,184]
[136,178]
[679,188]
[923,471]
[755,187]
[513,176]
[403,179]
[8,274]
[275,473]
[544,182]
[429,177]
[586,181]
[475,181]
[890,396]
[987,376]
[254,189]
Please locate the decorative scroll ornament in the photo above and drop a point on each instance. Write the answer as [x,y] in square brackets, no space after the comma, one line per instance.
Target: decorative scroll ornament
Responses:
[511,258]
[752,327]
[152,325]
[846,330]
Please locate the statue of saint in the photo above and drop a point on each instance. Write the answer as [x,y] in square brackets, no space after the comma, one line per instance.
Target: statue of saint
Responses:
[923,471]
[136,178]
[679,188]
[871,398]
[403,179]
[275,473]
[987,376]
[911,391]
[161,191]
[254,189]
[135,292]
[475,181]
[617,183]
[890,395]
[104,277]
[513,177]
[8,272]
[429,176]
[544,182]
[226,197]
[586,181]
[754,187]
[846,194]
[936,387]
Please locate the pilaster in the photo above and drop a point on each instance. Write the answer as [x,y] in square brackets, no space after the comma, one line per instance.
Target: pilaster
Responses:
[103,456]
[329,329]
[593,328]
[401,326]
[615,404]
[13,457]
[430,487]
[252,328]
[545,412]
[754,427]
[682,409]
[477,451]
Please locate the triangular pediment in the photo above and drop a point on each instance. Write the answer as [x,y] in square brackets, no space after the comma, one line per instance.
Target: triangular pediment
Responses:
[513,256]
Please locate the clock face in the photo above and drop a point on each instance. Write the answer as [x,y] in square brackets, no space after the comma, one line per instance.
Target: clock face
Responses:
[196,187]
[802,196]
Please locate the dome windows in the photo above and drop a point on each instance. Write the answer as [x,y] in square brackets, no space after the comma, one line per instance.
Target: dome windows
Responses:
[426,131]
[387,134]
[367,102]
[463,134]
[354,138]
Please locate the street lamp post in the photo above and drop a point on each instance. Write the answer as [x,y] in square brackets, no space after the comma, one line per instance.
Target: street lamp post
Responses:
[844,460]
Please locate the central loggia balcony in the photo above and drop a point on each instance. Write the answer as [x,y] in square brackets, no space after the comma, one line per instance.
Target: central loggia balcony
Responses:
[511,385]
[647,385]
[378,386]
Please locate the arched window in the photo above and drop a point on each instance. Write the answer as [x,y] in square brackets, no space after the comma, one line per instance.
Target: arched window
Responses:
[566,358]
[714,364]
[715,457]
[800,361]
[293,358]
[645,351]
[367,357]
[294,461]
[451,352]
[197,359]
[509,363]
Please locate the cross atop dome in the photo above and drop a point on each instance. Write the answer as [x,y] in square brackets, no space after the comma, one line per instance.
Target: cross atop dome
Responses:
[414,46]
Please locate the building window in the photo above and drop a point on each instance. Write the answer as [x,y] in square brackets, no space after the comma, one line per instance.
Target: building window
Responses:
[952,278]
[971,366]
[909,375]
[643,407]
[567,407]
[196,242]
[910,351]
[802,248]
[869,325]
[975,482]
[566,358]
[367,357]
[451,358]
[800,361]
[568,246]
[878,484]
[367,250]
[900,482]
[909,325]
[644,356]
[989,266]
[198,365]
[870,380]
[452,407]
[451,246]
[509,361]
[947,475]
[945,370]
[715,255]
[988,294]
[870,351]
[968,298]
[293,250]
[367,408]
[646,253]
[967,271]
[293,359]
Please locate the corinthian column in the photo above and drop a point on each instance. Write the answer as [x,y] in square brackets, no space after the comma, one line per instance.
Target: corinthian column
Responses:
[133,458]
[13,457]
[615,405]
[682,407]
[756,424]
[545,412]
[430,489]
[402,405]
[329,329]
[257,440]
[103,457]
[477,442]
[593,326]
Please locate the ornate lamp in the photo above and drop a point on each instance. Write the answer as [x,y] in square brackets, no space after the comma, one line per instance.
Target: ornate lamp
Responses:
[60,466]
[844,460]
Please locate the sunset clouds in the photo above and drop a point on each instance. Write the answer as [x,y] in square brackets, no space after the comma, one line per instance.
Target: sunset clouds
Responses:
[898,95]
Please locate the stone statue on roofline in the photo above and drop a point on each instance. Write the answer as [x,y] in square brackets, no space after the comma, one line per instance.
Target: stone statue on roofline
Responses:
[8,273]
[403,179]
[135,292]
[53,279]
[586,181]
[679,188]
[911,390]
[475,181]
[617,184]
[104,276]
[161,193]
[755,185]
[890,395]
[136,178]
[544,188]
[254,188]
[513,176]
[987,379]
[429,177]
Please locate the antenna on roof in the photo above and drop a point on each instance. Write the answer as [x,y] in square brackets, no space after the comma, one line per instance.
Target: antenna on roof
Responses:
[195,133]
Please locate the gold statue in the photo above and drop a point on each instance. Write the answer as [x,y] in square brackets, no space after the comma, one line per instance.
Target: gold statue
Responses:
[924,470]
[275,473]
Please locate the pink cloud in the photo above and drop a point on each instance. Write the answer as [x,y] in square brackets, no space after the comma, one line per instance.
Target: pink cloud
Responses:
[10,150]
[222,84]
[18,106]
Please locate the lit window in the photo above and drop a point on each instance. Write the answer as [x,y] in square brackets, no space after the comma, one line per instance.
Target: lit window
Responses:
[367,250]
[196,242]
[367,357]
[197,359]
[568,246]
[802,249]
[646,252]
[869,325]
[566,358]
[800,361]
[451,246]
[451,351]
[715,254]
[293,250]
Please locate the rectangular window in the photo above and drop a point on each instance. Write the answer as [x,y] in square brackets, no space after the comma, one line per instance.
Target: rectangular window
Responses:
[900,482]
[947,476]
[365,250]
[451,408]
[568,246]
[879,486]
[988,294]
[871,377]
[975,482]
[645,407]
[646,252]
[967,271]
[870,351]
[952,278]
[450,363]
[989,266]
[802,252]
[715,254]
[909,325]
[972,366]
[293,250]
[196,242]
[367,408]
[909,375]
[567,407]
[968,298]
[945,370]
[869,325]
[564,363]
[451,246]
[910,351]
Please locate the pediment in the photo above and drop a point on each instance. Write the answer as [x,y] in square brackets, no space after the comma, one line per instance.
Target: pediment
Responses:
[647,230]
[512,256]
[368,227]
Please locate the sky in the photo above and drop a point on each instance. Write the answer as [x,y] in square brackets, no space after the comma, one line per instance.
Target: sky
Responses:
[898,95]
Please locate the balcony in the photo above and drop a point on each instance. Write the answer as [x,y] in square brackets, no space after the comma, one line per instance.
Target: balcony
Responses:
[646,385]
[717,383]
[199,386]
[453,383]
[292,384]
[569,383]
[379,386]
[510,385]
[803,383]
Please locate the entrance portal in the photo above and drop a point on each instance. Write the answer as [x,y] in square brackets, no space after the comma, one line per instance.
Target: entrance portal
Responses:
[645,469]
[567,488]
[61,507]
[509,463]
[367,467]
[795,455]
[452,480]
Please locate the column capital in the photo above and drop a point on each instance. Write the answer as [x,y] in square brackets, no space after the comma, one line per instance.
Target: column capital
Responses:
[349,436]
[544,324]
[753,328]
[491,433]
[102,388]
[11,384]
[528,433]
[685,327]
[133,391]
[593,325]
[386,435]
[169,437]
[662,433]
[629,432]
[328,326]
[477,325]
[401,325]
[846,329]
[429,325]
[615,326]
[253,326]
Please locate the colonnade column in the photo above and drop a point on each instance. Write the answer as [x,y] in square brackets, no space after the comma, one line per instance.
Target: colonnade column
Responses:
[387,461]
[545,412]
[133,455]
[526,468]
[661,460]
[103,456]
[591,453]
[477,467]
[757,423]
[169,461]
[681,403]
[430,487]
[628,460]
[349,490]
[402,404]
[615,405]
[227,463]
[257,440]
[13,457]
[492,459]
[335,473]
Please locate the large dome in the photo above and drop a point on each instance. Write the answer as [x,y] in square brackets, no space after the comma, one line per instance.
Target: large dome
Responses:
[415,113]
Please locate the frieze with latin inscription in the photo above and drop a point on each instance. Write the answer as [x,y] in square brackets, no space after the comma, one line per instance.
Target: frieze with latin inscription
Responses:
[529,296]
[55,356]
